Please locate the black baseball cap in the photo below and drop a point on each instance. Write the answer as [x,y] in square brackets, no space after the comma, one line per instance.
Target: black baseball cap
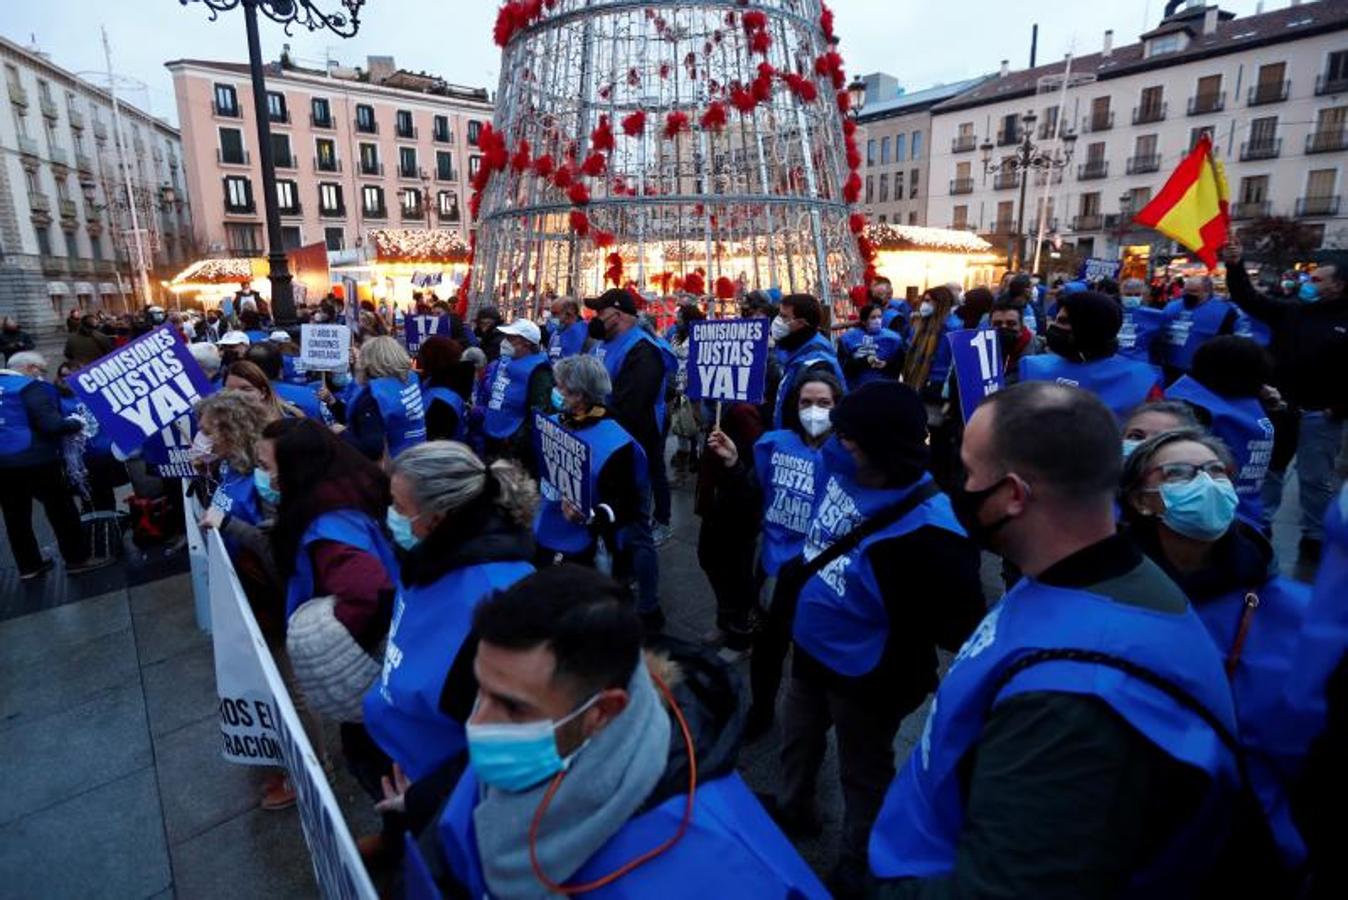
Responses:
[616,298]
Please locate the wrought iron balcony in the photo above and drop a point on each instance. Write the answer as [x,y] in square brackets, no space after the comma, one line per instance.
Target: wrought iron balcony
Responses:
[1202,104]
[1338,84]
[327,165]
[1093,169]
[1098,122]
[961,185]
[1317,206]
[371,168]
[1252,209]
[964,143]
[1141,165]
[1327,141]
[1152,112]
[1088,222]
[1260,150]
[230,158]
[1261,94]
[1005,180]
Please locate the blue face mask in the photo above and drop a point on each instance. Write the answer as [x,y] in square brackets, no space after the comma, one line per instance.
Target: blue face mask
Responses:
[1129,446]
[400,526]
[339,379]
[1131,302]
[1202,509]
[262,481]
[558,401]
[514,757]
[873,326]
[1308,292]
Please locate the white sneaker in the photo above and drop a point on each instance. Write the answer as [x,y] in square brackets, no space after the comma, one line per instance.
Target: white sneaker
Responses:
[661,534]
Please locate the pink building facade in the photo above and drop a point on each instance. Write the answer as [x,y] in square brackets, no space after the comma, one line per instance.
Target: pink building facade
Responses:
[354,151]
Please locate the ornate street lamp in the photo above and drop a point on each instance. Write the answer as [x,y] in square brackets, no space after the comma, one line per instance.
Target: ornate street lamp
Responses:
[856,94]
[1029,157]
[290,13]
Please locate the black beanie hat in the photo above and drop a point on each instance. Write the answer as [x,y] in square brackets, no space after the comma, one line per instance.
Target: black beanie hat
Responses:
[888,421]
[1096,319]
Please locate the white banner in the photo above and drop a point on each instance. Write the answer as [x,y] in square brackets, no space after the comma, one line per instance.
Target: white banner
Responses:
[259,727]
[325,348]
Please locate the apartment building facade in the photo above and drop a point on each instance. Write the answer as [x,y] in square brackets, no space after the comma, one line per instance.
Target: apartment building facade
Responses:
[895,136]
[65,215]
[1271,90]
[354,150]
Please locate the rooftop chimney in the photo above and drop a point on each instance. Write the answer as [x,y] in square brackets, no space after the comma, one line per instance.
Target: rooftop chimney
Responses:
[1006,68]
[1108,49]
[1210,20]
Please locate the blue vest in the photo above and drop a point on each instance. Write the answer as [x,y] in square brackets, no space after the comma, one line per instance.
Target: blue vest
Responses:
[1265,661]
[305,398]
[896,315]
[614,353]
[509,401]
[791,474]
[551,528]
[1186,328]
[429,627]
[258,337]
[1123,384]
[236,495]
[857,342]
[919,826]
[808,355]
[1138,331]
[943,357]
[290,372]
[1242,425]
[346,526]
[16,434]
[1249,327]
[100,444]
[731,849]
[569,341]
[841,618]
[450,398]
[400,407]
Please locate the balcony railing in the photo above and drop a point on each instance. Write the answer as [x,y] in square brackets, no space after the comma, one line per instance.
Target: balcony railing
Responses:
[1141,165]
[226,112]
[369,168]
[59,158]
[446,175]
[1153,112]
[1088,222]
[83,165]
[1260,149]
[337,212]
[75,117]
[409,173]
[1008,138]
[1093,169]
[284,162]
[39,202]
[963,143]
[18,94]
[54,265]
[240,209]
[321,121]
[1268,93]
[327,165]
[81,266]
[413,212]
[232,159]
[410,132]
[380,212]
[1324,84]
[100,130]
[1098,122]
[1050,226]
[1203,104]
[442,136]
[371,127]
[1327,141]
[1003,226]
[966,225]
[1317,206]
[68,209]
[297,209]
[29,147]
[1005,181]
[48,107]
[280,117]
[1251,209]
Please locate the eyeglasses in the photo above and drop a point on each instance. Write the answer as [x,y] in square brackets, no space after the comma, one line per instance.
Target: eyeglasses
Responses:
[1180,472]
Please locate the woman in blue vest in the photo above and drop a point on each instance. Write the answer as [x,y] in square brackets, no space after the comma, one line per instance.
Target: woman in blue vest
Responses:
[303,395]
[927,363]
[800,346]
[248,377]
[232,423]
[1083,352]
[1228,377]
[521,386]
[385,416]
[617,473]
[869,351]
[867,625]
[106,471]
[446,382]
[464,531]
[1190,320]
[1180,503]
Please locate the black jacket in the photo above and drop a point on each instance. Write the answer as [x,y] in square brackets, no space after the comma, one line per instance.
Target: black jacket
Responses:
[639,386]
[1309,346]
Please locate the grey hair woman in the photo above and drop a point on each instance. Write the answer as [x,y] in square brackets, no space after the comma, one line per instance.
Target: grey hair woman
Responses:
[583,382]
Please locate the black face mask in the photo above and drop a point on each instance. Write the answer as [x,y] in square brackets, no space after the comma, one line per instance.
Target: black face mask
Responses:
[968,504]
[1007,339]
[596,329]
[1192,300]
[1063,342]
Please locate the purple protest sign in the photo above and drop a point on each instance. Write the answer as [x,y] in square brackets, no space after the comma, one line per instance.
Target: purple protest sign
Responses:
[418,328]
[728,359]
[141,389]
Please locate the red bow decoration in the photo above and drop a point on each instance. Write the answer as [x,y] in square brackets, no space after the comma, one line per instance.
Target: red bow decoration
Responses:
[601,138]
[520,160]
[580,223]
[675,123]
[594,165]
[714,119]
[543,166]
[725,288]
[578,194]
[635,124]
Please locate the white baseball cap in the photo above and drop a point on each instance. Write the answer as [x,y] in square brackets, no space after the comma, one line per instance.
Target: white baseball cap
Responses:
[232,338]
[523,328]
[278,335]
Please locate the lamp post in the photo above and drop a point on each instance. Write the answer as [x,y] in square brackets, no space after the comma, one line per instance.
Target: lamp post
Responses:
[1029,157]
[856,95]
[343,23]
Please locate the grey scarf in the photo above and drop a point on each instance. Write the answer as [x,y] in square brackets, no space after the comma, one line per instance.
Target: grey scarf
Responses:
[608,781]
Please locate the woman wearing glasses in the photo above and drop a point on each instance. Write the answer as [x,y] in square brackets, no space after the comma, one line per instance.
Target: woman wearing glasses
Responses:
[1180,504]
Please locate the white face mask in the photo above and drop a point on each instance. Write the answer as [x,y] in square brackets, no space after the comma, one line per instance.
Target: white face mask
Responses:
[507,350]
[815,420]
[780,328]
[926,309]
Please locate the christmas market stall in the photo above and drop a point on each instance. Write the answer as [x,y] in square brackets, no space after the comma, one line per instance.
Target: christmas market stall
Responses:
[913,256]
[395,262]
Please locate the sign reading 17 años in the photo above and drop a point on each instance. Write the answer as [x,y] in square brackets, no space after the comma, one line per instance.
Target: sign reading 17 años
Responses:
[978,366]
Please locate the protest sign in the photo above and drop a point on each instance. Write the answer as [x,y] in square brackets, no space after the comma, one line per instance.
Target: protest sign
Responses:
[1095,267]
[978,366]
[143,388]
[325,348]
[565,463]
[351,307]
[728,359]
[168,452]
[418,328]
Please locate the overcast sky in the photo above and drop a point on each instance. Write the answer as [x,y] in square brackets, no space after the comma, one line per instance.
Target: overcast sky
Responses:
[920,42]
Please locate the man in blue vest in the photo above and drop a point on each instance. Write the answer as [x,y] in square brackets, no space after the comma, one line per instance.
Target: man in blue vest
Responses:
[1141,323]
[1189,321]
[637,368]
[590,767]
[31,430]
[568,330]
[1083,344]
[799,347]
[896,309]
[522,384]
[1081,742]
[867,624]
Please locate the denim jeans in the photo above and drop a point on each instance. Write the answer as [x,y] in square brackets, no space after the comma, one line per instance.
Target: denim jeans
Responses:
[639,559]
[1319,441]
[659,473]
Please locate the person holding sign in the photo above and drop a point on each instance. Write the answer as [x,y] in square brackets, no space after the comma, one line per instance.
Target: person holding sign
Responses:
[800,348]
[614,470]
[522,385]
[569,330]
[1083,352]
[385,415]
[869,351]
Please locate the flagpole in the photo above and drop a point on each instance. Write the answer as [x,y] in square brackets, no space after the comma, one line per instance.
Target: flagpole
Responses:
[1048,175]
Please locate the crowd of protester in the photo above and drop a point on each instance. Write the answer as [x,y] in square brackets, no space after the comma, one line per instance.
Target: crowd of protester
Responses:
[1152,707]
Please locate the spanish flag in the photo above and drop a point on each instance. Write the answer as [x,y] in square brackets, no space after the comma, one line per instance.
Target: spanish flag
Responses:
[1193,206]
